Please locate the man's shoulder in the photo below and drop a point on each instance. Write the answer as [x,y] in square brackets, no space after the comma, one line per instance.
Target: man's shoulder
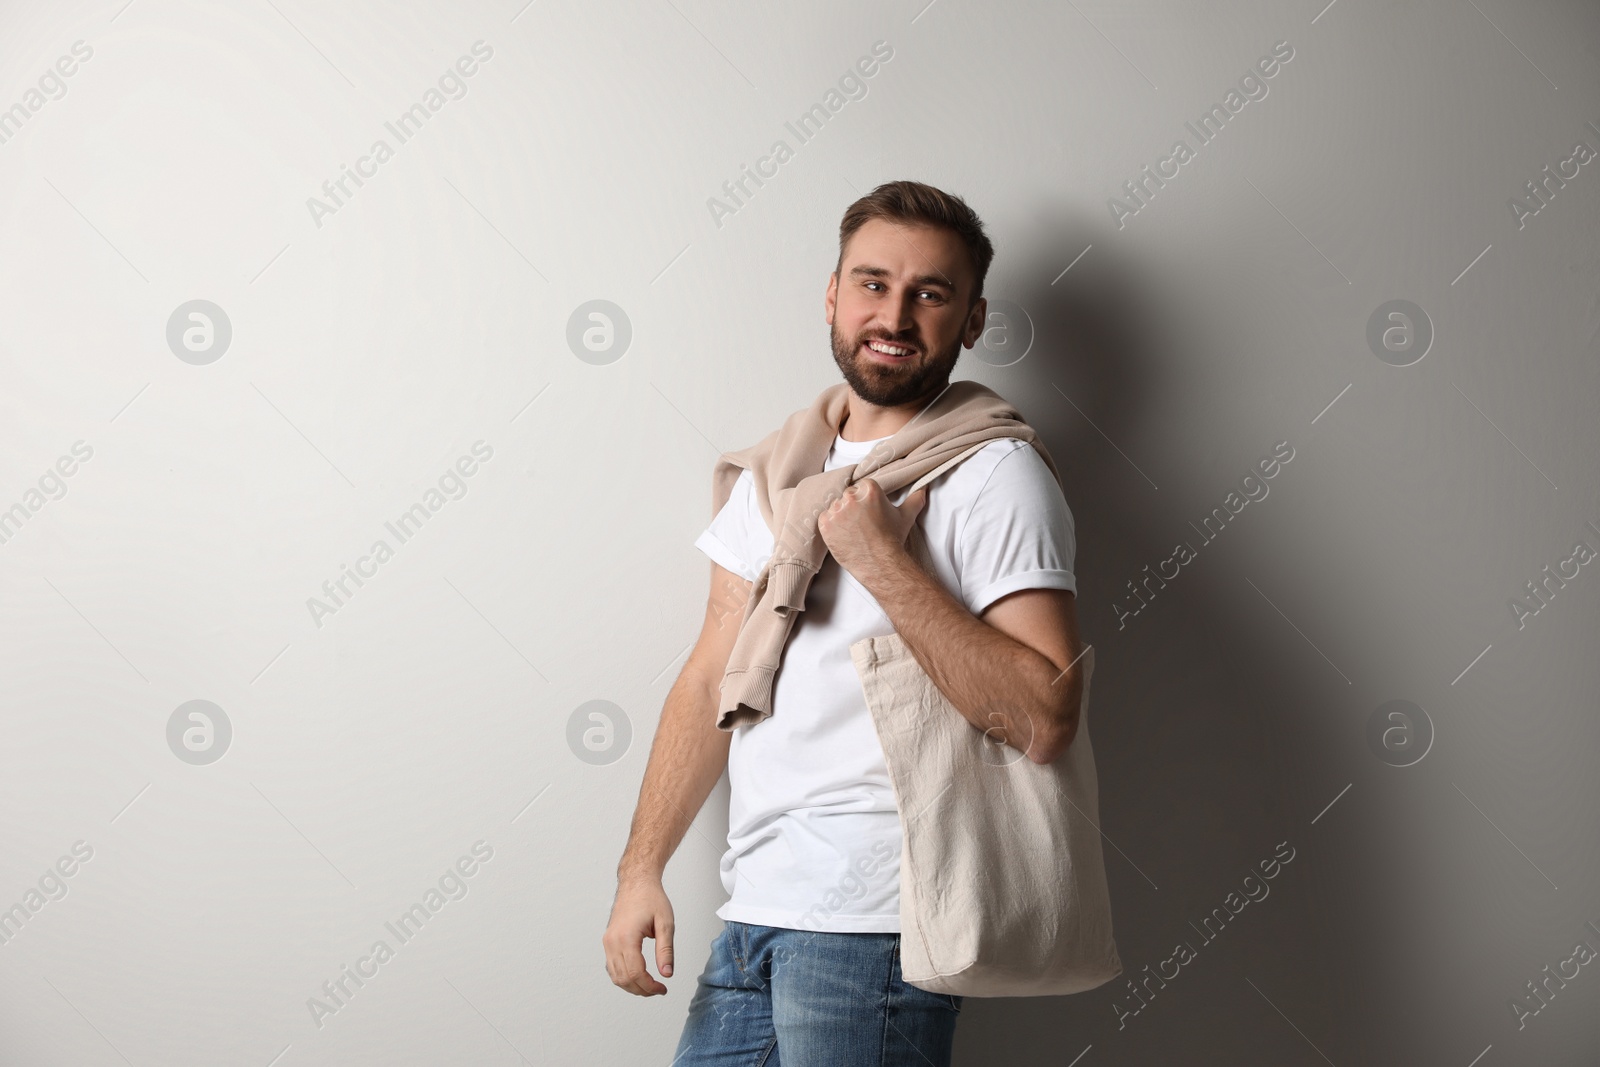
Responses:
[1003,454]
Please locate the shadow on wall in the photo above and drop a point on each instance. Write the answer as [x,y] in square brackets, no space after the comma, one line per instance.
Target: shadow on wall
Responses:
[1210,757]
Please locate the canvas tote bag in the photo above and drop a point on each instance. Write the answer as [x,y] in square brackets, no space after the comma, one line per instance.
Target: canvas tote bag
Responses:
[1002,881]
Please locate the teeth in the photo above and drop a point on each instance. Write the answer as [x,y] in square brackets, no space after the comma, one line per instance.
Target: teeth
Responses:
[890,350]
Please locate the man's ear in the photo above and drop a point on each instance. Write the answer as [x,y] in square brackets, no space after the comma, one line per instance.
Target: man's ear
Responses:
[976,320]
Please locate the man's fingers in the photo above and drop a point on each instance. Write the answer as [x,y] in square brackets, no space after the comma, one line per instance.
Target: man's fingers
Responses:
[911,508]
[628,972]
[664,945]
[643,985]
[647,984]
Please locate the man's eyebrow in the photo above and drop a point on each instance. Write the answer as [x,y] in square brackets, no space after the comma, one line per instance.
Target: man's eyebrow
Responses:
[882,272]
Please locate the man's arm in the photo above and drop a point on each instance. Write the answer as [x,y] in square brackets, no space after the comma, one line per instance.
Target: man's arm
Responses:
[687,757]
[1014,672]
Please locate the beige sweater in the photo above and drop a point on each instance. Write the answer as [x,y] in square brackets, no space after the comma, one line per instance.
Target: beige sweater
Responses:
[792,490]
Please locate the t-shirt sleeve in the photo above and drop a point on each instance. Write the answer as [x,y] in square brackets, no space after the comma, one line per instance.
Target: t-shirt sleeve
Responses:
[728,539]
[1019,533]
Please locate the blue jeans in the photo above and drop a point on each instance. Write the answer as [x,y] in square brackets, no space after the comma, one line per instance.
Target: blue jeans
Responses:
[774,997]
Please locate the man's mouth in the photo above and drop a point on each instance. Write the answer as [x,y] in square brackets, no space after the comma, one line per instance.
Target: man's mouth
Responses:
[888,351]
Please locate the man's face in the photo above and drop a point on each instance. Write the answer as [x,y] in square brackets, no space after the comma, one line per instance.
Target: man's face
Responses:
[906,286]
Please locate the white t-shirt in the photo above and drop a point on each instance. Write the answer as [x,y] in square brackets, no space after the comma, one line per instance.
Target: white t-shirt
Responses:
[813,832]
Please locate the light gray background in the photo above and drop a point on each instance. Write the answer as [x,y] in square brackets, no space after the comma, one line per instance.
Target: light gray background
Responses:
[431,311]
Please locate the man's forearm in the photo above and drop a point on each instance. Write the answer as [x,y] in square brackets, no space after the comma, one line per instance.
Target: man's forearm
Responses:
[1000,685]
[687,757]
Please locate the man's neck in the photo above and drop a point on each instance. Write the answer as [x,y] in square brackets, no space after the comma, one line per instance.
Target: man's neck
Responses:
[869,422]
[856,429]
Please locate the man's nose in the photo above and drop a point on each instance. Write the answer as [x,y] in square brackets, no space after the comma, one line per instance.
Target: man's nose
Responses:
[895,316]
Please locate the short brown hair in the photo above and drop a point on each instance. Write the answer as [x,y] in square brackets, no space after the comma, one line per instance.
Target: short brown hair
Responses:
[914,202]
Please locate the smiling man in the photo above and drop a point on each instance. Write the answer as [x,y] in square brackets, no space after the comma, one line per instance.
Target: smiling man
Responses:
[806,969]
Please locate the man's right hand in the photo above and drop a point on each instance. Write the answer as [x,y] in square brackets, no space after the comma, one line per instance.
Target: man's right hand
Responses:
[641,910]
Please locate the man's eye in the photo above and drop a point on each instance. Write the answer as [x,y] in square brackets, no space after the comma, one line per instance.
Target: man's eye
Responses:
[935,294]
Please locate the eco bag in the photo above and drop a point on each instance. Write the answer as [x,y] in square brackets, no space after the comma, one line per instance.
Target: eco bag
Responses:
[1002,881]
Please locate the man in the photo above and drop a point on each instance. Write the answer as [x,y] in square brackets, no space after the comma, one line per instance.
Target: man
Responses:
[807,968]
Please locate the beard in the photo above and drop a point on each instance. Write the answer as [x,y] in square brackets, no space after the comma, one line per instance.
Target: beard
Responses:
[892,385]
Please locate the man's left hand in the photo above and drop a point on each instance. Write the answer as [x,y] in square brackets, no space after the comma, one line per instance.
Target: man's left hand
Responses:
[861,527]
